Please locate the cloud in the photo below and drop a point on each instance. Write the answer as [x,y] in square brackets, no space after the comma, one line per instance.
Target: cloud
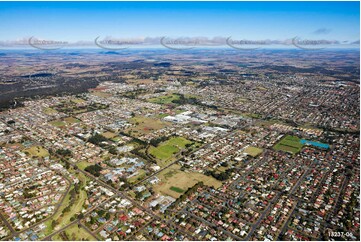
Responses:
[184,41]
[322,31]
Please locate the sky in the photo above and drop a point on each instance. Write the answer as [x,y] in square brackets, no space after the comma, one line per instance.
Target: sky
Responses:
[76,21]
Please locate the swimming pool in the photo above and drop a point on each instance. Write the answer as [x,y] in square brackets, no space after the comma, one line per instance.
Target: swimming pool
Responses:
[314,143]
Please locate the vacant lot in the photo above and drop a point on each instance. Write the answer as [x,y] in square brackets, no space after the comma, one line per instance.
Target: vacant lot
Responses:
[37,151]
[145,125]
[64,122]
[253,151]
[289,144]
[175,182]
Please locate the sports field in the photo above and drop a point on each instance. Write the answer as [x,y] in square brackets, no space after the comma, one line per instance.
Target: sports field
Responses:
[253,151]
[109,135]
[64,122]
[289,144]
[71,120]
[168,149]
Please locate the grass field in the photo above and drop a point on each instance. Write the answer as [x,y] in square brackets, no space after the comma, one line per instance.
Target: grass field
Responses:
[37,151]
[253,151]
[83,164]
[162,115]
[167,99]
[50,111]
[64,218]
[289,144]
[137,177]
[145,125]
[77,100]
[168,149]
[173,179]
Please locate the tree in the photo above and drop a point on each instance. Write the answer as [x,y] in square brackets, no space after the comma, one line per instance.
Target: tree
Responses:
[94,170]
[63,152]
[97,139]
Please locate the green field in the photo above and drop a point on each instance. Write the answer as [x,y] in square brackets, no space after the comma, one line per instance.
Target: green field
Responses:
[289,144]
[168,149]
[176,189]
[167,99]
[253,151]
